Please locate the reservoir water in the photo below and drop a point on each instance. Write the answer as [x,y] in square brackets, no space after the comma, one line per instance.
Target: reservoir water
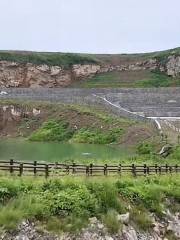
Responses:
[24,150]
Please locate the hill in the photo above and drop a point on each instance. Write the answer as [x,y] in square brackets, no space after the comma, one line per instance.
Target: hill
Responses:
[35,69]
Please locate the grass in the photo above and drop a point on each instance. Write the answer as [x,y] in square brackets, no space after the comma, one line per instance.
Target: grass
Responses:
[111,222]
[57,59]
[130,79]
[66,204]
[141,218]
[158,79]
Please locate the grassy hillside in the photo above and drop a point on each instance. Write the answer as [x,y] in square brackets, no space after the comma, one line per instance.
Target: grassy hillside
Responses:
[80,124]
[129,79]
[117,59]
[59,59]
[67,59]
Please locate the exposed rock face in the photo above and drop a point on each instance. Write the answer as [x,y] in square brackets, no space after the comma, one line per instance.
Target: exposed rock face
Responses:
[173,66]
[29,75]
[85,70]
[14,74]
[11,116]
[97,231]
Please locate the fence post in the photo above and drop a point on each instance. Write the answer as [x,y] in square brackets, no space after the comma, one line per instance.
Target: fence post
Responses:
[160,170]
[148,170]
[145,169]
[74,168]
[46,170]
[156,168]
[134,170]
[91,169]
[20,169]
[166,168]
[170,169]
[176,168]
[119,169]
[11,166]
[67,169]
[105,169]
[87,170]
[35,169]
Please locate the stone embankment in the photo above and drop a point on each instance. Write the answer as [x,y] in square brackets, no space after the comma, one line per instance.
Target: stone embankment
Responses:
[14,74]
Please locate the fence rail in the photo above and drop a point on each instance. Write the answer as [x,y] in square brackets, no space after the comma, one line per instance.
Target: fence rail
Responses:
[48,169]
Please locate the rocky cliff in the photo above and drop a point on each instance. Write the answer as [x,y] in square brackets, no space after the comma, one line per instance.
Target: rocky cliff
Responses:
[15,74]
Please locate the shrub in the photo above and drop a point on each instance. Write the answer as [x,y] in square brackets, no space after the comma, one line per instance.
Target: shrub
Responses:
[107,196]
[96,137]
[52,131]
[144,148]
[69,201]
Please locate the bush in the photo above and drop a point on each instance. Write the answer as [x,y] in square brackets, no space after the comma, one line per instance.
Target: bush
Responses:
[107,196]
[144,148]
[96,137]
[78,201]
[52,131]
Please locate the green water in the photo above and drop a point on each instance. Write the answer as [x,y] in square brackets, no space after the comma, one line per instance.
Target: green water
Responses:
[61,152]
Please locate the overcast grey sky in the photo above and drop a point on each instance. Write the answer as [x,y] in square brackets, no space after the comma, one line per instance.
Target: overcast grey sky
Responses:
[95,26]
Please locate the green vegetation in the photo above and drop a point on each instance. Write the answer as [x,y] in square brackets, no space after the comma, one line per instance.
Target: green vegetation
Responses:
[66,204]
[110,220]
[97,137]
[52,131]
[60,131]
[158,79]
[59,59]
[134,79]
[145,148]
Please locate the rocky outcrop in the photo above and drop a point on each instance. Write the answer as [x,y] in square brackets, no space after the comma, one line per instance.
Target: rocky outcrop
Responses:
[173,66]
[12,116]
[13,74]
[96,230]
[29,75]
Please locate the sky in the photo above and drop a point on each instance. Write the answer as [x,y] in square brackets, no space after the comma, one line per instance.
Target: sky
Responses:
[90,26]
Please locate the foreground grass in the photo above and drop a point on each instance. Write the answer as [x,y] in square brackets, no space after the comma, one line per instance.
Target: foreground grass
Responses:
[66,204]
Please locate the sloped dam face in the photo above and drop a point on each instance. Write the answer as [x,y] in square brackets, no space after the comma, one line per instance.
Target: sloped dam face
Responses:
[155,102]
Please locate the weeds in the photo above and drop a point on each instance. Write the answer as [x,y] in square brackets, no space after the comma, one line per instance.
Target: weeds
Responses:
[69,203]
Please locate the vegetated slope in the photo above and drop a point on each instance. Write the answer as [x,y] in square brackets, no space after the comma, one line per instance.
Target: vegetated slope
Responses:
[141,77]
[56,122]
[129,79]
[96,205]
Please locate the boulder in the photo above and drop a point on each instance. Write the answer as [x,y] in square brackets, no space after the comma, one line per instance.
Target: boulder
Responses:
[123,218]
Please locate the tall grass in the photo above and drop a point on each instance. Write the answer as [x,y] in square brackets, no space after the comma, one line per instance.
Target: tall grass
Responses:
[69,202]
